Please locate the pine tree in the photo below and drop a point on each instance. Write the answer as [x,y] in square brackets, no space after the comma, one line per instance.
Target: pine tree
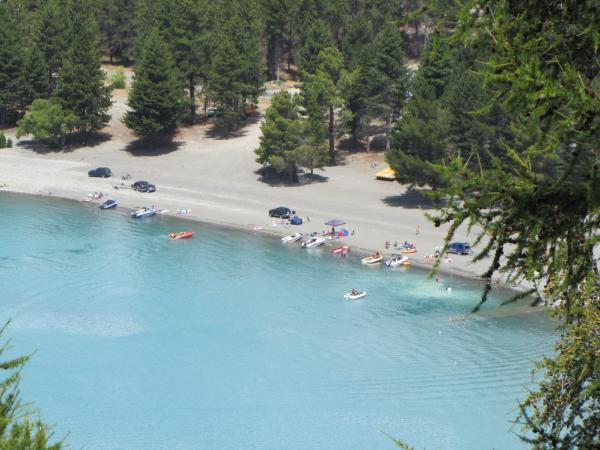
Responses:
[281,135]
[35,77]
[390,76]
[81,85]
[115,21]
[322,96]
[236,72]
[277,18]
[156,96]
[12,58]
[317,39]
[53,35]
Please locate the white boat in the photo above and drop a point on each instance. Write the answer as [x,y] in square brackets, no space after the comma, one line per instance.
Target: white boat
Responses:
[292,238]
[144,212]
[355,295]
[396,260]
[314,241]
[373,259]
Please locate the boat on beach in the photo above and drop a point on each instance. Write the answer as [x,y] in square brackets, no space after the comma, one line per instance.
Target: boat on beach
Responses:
[313,241]
[396,260]
[108,204]
[181,234]
[342,250]
[355,295]
[292,238]
[372,259]
[144,212]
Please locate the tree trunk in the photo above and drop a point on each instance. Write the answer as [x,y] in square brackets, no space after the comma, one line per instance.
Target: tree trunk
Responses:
[388,121]
[192,88]
[289,58]
[368,142]
[274,48]
[293,172]
[331,136]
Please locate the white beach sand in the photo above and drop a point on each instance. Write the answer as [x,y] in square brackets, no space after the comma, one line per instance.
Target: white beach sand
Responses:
[217,179]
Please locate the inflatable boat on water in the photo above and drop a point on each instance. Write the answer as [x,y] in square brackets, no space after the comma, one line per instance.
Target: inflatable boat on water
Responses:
[355,295]
[181,234]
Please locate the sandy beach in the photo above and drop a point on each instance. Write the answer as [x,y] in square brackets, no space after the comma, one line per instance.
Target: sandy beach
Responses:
[218,179]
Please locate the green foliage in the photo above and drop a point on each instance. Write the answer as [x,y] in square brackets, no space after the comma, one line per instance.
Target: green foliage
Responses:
[48,120]
[115,21]
[236,73]
[156,95]
[12,51]
[52,35]
[19,430]
[4,141]
[563,413]
[118,80]
[81,85]
[318,38]
[281,134]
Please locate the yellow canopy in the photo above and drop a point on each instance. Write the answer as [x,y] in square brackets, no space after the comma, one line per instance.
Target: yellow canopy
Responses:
[386,174]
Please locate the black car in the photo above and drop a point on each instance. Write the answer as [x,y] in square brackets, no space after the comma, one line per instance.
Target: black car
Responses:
[143,186]
[282,212]
[460,248]
[102,172]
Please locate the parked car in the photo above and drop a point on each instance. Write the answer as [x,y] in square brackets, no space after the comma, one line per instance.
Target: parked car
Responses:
[102,172]
[460,248]
[213,112]
[282,212]
[143,186]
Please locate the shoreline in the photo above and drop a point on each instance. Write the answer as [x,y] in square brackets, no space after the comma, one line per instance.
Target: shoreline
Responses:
[273,233]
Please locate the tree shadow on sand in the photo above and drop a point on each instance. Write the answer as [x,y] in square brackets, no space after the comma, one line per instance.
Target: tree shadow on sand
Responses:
[217,131]
[269,176]
[154,148]
[413,199]
[74,141]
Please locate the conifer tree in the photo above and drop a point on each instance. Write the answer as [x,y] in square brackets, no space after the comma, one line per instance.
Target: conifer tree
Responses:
[281,135]
[236,72]
[322,96]
[53,35]
[81,86]
[115,22]
[156,95]
[35,77]
[317,39]
[12,50]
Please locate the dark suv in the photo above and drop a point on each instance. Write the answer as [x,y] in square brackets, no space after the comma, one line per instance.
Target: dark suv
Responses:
[460,248]
[143,186]
[282,212]
[102,172]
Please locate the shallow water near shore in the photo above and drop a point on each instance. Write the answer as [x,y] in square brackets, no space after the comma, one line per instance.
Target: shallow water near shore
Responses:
[232,340]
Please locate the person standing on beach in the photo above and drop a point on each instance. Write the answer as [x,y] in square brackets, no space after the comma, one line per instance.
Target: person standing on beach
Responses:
[418,228]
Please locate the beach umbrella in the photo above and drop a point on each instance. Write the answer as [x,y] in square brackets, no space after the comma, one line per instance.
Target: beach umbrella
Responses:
[334,223]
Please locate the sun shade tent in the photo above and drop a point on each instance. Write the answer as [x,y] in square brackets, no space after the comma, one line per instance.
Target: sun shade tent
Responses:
[334,223]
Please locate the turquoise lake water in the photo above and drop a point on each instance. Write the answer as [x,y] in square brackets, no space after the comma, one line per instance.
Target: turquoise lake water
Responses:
[231,340]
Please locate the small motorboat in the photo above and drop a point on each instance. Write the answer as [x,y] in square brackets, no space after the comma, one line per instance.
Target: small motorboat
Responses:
[342,250]
[355,295]
[409,250]
[314,241]
[108,204]
[396,260]
[373,259]
[292,238]
[181,234]
[144,212]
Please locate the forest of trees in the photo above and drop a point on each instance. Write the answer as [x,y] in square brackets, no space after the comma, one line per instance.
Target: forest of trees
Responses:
[501,120]
[218,53]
